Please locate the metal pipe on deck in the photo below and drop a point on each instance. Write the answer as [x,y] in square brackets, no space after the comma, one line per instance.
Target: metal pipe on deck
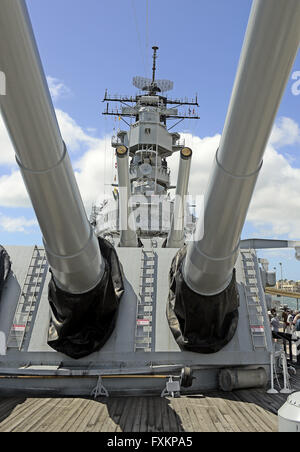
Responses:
[267,57]
[176,234]
[128,237]
[71,246]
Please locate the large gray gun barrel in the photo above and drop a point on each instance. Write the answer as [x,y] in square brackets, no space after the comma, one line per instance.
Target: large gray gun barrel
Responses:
[128,237]
[268,54]
[176,234]
[72,248]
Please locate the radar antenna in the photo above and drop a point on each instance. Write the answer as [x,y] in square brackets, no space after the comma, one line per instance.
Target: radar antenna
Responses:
[153,86]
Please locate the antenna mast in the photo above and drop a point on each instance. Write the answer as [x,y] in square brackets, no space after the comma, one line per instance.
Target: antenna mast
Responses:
[155,49]
[152,87]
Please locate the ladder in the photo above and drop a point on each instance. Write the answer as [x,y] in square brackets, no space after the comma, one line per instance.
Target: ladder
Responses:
[29,295]
[146,302]
[254,308]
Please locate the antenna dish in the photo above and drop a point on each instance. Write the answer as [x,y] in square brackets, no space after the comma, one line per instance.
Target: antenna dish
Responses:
[141,82]
[144,84]
[165,85]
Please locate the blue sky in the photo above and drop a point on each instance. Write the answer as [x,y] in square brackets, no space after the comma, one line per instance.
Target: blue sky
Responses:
[95,44]
[88,46]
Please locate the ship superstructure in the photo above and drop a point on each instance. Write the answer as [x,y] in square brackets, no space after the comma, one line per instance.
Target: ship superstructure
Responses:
[150,143]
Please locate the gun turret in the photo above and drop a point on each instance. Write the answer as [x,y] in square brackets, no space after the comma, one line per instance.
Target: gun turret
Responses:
[71,246]
[204,299]
[268,53]
[83,296]
[176,234]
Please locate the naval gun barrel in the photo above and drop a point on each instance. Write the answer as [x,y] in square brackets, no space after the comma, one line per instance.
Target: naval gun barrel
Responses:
[70,243]
[267,57]
[128,237]
[176,234]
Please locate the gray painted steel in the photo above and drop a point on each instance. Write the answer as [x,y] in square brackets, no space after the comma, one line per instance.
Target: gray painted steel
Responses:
[270,48]
[176,235]
[71,246]
[128,236]
[118,356]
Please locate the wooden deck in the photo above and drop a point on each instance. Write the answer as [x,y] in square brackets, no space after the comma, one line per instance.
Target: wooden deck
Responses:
[239,411]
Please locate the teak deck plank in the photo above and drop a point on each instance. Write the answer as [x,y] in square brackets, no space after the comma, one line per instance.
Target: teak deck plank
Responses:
[241,422]
[60,415]
[238,411]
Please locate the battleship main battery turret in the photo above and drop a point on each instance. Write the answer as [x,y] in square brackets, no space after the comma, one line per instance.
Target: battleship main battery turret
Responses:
[143,298]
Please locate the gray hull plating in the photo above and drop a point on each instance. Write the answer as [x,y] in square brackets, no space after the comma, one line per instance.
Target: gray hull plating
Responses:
[141,344]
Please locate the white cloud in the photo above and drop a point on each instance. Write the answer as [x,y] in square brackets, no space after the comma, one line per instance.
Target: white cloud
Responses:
[90,168]
[57,88]
[12,191]
[20,224]
[94,173]
[286,132]
[275,206]
[74,135]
